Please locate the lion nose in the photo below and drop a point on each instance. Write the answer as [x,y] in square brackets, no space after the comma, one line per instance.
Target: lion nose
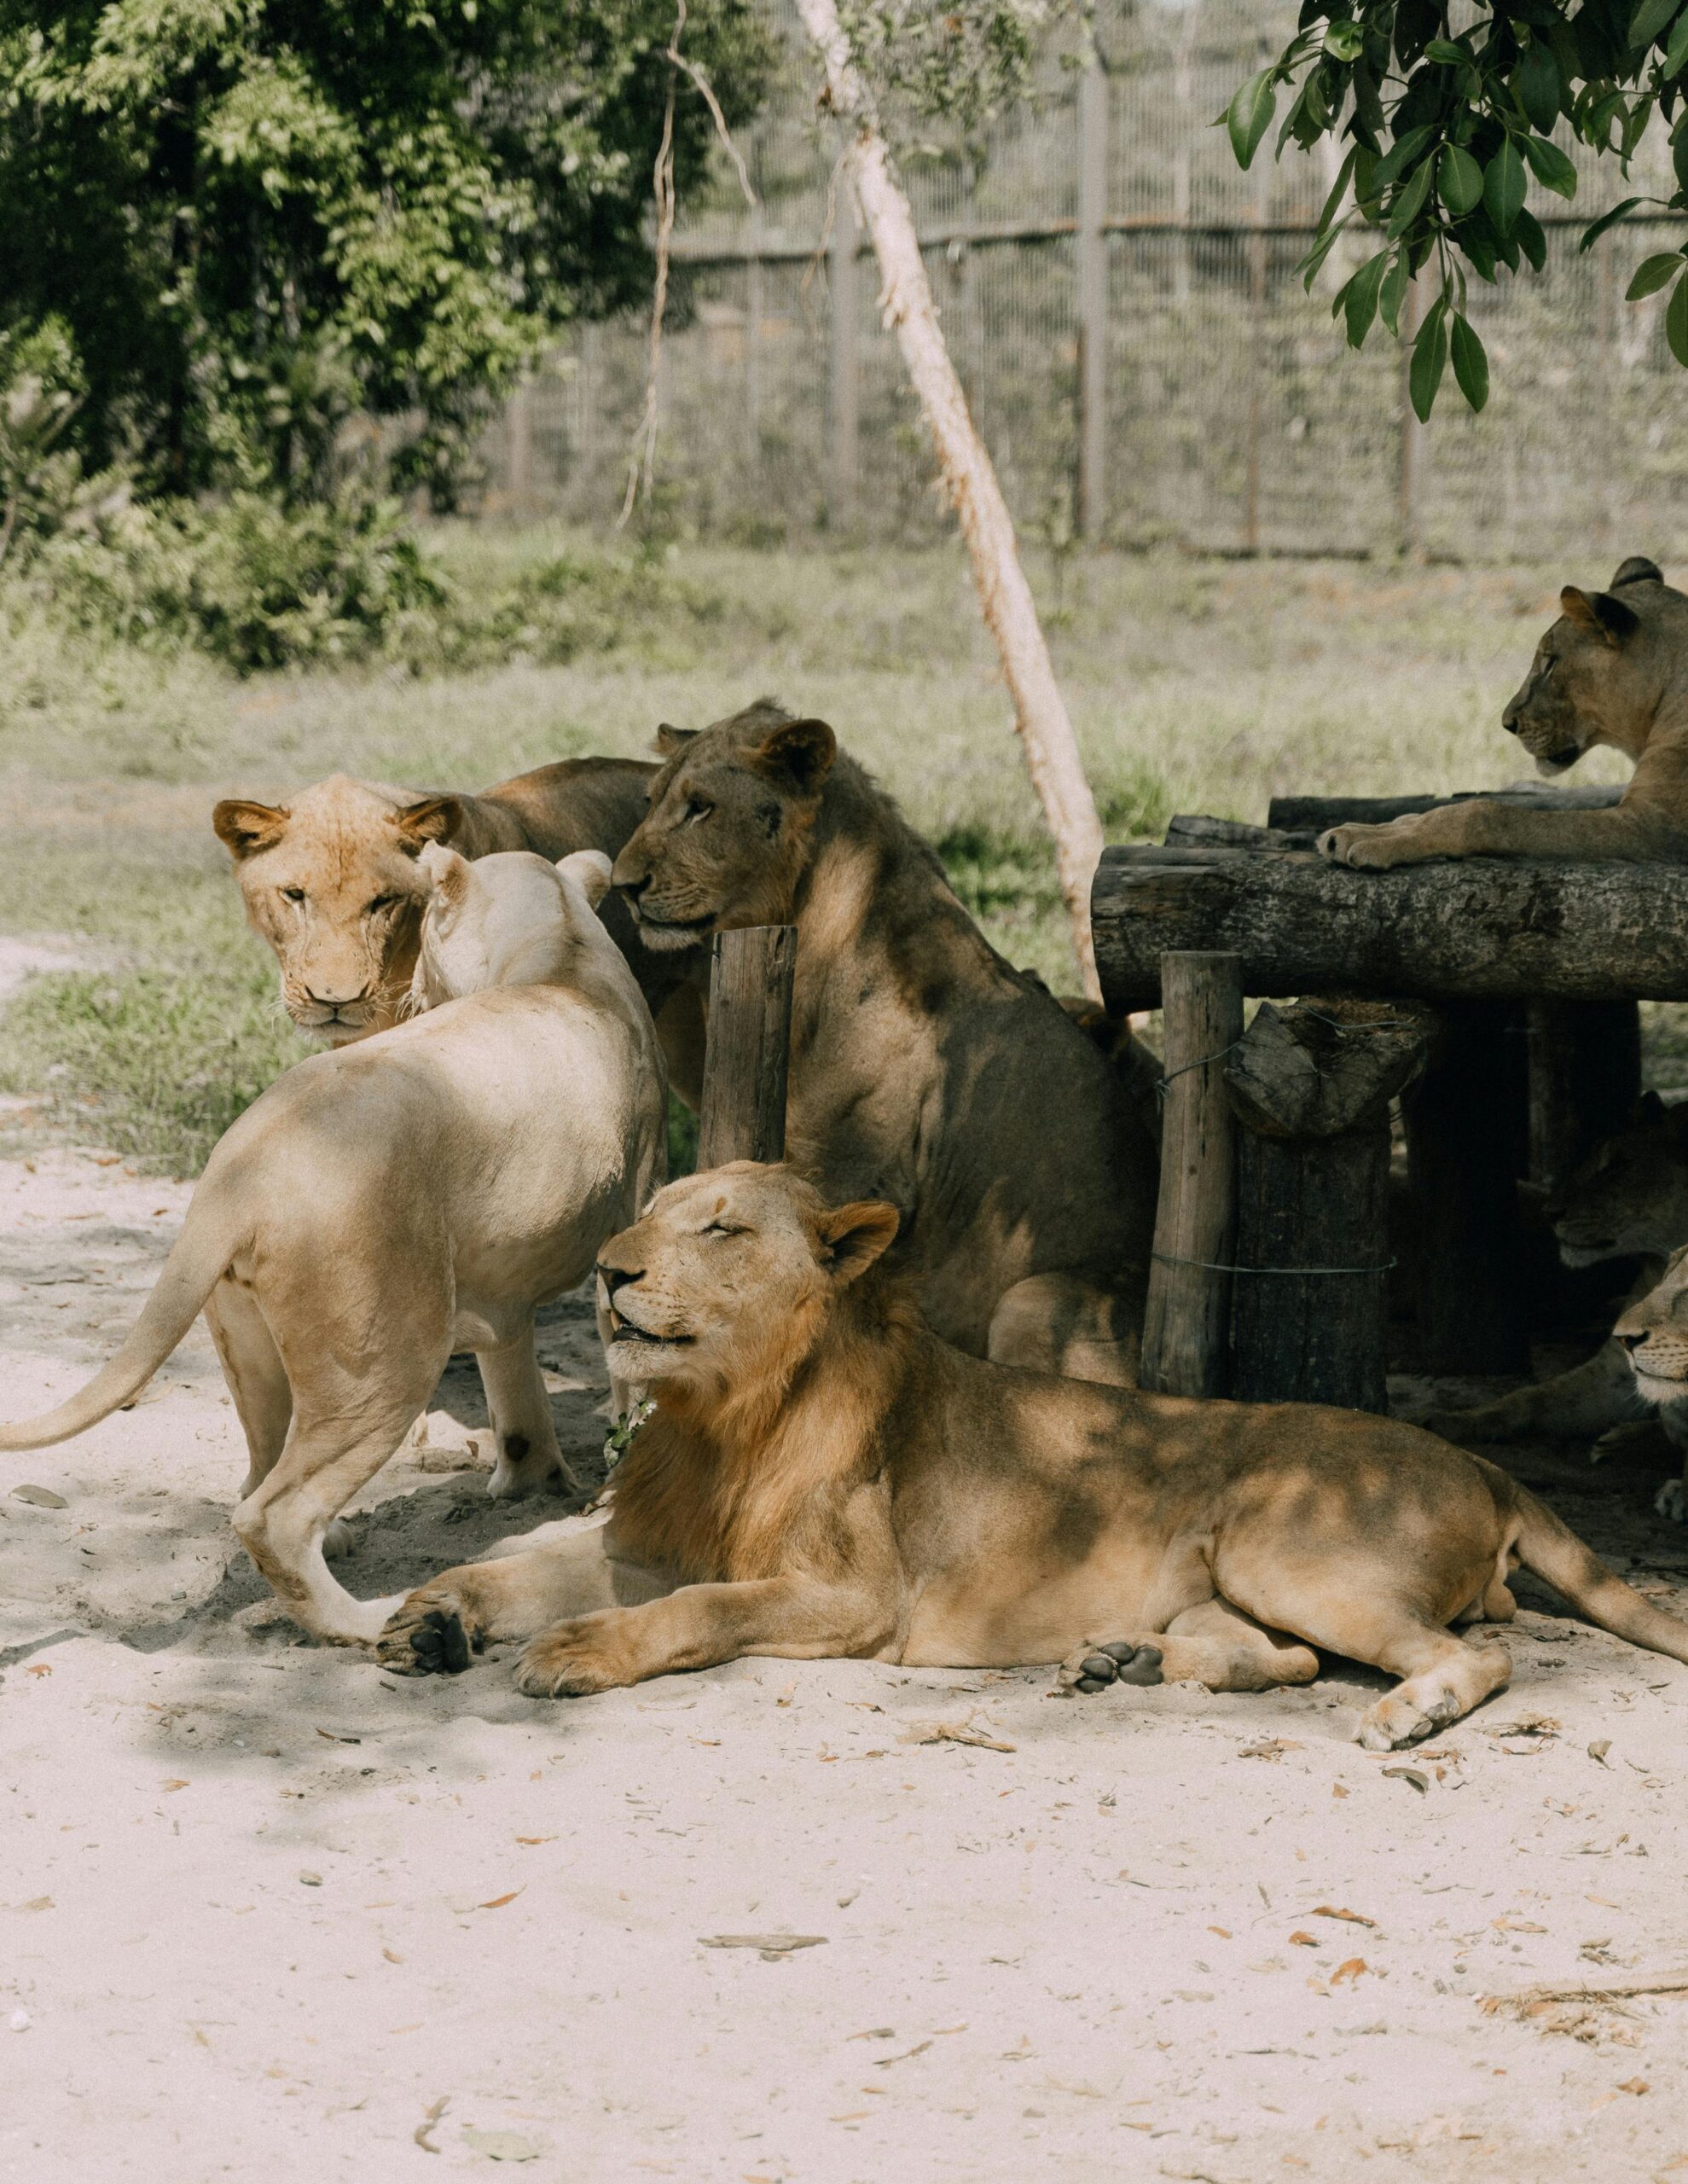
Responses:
[1509,720]
[615,1277]
[1631,1341]
[335,1000]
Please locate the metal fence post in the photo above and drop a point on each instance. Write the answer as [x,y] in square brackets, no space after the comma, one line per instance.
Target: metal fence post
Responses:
[1092,302]
[845,365]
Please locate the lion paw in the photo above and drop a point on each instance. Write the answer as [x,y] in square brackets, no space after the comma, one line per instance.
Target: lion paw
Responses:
[1366,849]
[1117,1660]
[1394,1721]
[1672,1502]
[431,1632]
[572,1660]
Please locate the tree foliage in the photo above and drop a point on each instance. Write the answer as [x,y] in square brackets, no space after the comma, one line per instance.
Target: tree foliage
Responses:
[1450,130]
[253,218]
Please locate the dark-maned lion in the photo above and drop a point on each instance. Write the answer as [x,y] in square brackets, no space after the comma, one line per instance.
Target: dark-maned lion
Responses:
[823,1476]
[924,1070]
[1613,670]
[331,881]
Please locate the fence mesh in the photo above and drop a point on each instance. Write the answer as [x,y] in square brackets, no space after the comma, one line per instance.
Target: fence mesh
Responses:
[1235,417]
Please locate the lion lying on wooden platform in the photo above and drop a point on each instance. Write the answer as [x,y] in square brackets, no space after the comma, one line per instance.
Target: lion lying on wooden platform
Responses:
[823,1476]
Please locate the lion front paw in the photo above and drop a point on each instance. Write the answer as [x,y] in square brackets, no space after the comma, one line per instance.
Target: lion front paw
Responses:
[1116,1660]
[573,1659]
[1369,849]
[431,1632]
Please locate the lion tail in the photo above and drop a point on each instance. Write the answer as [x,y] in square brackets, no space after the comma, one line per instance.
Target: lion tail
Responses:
[211,1236]
[1553,1550]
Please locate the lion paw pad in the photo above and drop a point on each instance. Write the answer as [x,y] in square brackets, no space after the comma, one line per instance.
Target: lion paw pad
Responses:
[1118,1661]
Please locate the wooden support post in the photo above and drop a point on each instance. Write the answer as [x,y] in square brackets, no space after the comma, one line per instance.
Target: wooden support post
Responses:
[1093,302]
[1584,1079]
[748,1048]
[845,361]
[1466,1148]
[1312,1085]
[1186,1315]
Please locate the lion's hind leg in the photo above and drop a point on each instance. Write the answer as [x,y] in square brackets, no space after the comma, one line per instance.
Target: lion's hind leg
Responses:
[442,1624]
[1442,1678]
[1214,1644]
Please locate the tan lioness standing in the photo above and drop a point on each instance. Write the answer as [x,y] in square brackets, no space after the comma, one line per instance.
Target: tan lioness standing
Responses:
[823,1476]
[1612,670]
[331,880]
[924,1070]
[420,1193]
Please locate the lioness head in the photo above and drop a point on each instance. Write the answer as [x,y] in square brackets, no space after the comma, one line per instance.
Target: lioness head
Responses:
[1600,671]
[726,837]
[333,882]
[1654,1333]
[1630,1196]
[726,1281]
[510,920]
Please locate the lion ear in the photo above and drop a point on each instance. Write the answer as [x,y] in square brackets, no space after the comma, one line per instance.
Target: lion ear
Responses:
[446,873]
[589,870]
[435,819]
[1602,616]
[854,1235]
[800,752]
[672,740]
[1637,569]
[244,829]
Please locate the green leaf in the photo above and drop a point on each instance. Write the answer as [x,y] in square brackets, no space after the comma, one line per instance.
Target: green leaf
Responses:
[1676,53]
[1411,201]
[1459,178]
[1676,321]
[1249,115]
[1346,41]
[1593,232]
[1449,55]
[1393,293]
[1552,169]
[1399,157]
[1678,150]
[1652,274]
[1359,298]
[1531,240]
[1504,186]
[1537,84]
[1430,360]
[1470,361]
[1649,19]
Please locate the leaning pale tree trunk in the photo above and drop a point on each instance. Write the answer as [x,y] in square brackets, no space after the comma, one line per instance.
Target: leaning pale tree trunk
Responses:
[906,299]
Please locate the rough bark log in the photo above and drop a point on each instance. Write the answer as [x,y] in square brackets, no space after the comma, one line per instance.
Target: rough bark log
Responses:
[970,482]
[1186,1316]
[1313,1085]
[1195,830]
[1467,1145]
[1584,1079]
[746,1059]
[1497,928]
[1311,814]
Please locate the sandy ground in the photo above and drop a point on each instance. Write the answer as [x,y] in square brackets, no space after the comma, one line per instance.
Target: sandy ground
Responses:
[267,1913]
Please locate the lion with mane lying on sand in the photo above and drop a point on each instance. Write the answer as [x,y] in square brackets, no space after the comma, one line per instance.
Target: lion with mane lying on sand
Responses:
[823,1476]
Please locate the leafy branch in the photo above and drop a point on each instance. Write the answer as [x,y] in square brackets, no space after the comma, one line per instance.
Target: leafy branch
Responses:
[1447,132]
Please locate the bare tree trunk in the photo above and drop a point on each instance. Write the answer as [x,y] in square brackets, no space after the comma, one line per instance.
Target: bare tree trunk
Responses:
[905,300]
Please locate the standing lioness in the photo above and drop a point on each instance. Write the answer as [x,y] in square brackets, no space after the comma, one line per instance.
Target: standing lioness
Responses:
[924,1069]
[420,1193]
[1612,670]
[823,1476]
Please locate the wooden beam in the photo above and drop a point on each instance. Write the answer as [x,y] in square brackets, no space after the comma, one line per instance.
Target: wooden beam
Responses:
[1472,929]
[1311,814]
[1186,1316]
[748,1051]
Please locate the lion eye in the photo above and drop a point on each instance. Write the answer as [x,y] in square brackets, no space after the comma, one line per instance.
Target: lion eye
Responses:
[292,894]
[384,903]
[696,809]
[722,1229]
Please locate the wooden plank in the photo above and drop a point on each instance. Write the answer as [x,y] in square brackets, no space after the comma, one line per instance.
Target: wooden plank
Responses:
[1474,928]
[748,1053]
[1186,1317]
[1311,814]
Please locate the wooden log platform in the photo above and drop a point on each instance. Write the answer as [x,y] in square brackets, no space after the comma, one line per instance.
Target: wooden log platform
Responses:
[1470,928]
[747,1052]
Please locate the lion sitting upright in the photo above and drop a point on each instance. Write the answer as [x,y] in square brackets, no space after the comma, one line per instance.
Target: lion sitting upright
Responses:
[1612,670]
[924,1070]
[823,1476]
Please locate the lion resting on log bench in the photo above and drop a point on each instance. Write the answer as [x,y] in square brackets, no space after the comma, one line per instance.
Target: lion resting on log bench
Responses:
[824,1477]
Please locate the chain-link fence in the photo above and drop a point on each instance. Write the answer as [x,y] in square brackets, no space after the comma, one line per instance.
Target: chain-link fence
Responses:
[1227,414]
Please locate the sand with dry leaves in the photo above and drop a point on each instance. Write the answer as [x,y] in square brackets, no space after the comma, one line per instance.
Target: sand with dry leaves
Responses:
[266,1913]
